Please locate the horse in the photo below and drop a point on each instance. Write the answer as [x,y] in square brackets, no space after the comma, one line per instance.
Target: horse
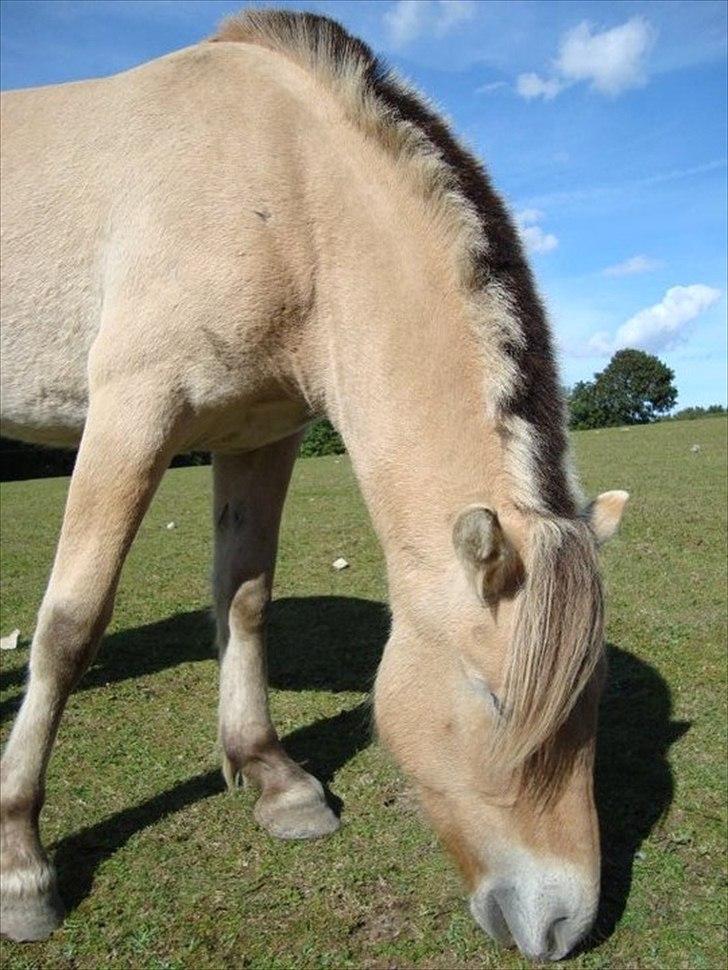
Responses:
[210,251]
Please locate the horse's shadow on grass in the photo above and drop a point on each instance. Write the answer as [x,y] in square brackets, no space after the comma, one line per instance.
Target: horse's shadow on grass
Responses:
[316,643]
[334,643]
[634,784]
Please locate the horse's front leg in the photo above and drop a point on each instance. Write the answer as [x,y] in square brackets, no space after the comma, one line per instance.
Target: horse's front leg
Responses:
[127,443]
[249,493]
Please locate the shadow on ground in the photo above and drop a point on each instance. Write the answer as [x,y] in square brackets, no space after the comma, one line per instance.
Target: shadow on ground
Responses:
[315,643]
[634,780]
[334,643]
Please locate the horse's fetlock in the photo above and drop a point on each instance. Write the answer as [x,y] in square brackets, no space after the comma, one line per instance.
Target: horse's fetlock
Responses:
[250,755]
[29,876]
[232,773]
[242,745]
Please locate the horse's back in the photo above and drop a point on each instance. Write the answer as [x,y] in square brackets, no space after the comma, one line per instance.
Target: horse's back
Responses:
[154,206]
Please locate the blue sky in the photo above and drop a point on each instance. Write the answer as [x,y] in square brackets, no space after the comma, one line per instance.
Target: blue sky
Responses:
[602,123]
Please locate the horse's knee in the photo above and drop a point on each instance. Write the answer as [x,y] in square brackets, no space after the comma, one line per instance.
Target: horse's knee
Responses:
[66,638]
[20,804]
[248,606]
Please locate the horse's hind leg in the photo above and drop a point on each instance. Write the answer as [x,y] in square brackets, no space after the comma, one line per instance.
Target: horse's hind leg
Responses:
[249,493]
[126,446]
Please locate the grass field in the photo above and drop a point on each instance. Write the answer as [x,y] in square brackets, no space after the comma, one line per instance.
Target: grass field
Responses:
[162,869]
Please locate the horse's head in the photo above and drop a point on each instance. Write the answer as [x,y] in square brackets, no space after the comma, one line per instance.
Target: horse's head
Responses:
[487,695]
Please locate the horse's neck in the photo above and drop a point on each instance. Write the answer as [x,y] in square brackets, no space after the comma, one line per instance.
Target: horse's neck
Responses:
[398,363]
[406,387]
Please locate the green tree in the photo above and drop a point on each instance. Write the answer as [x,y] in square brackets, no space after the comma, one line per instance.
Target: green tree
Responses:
[585,409]
[689,414]
[322,438]
[634,388]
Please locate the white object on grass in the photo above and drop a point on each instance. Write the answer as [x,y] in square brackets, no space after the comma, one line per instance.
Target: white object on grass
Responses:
[10,642]
[340,563]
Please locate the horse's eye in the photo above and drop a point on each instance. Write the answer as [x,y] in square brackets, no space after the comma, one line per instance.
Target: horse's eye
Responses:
[481,687]
[496,703]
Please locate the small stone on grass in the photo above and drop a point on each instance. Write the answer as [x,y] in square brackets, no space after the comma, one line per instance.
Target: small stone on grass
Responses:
[10,642]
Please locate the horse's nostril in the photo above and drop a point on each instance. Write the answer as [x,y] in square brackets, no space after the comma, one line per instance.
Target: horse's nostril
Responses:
[561,937]
[497,924]
[552,935]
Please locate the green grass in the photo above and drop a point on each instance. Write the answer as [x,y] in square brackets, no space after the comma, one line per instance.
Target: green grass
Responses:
[162,869]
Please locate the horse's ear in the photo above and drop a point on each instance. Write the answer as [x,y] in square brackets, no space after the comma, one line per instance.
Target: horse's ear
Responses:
[605,513]
[486,552]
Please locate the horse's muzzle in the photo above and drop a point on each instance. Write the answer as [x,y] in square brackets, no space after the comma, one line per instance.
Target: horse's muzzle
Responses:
[544,911]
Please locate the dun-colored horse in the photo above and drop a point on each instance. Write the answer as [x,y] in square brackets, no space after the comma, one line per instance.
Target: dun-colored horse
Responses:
[207,252]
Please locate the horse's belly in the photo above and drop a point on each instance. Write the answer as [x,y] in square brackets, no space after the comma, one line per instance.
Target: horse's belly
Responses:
[42,405]
[47,326]
[251,425]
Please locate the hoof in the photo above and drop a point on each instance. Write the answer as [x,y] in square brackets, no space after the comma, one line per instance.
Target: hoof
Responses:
[29,917]
[297,814]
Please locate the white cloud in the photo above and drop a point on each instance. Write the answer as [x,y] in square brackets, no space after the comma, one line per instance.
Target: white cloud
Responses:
[526,216]
[535,239]
[531,86]
[491,86]
[538,241]
[404,21]
[611,60]
[661,326]
[408,19]
[450,13]
[632,266]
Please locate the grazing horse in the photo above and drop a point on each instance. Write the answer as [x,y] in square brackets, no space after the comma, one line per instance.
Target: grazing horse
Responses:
[211,250]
